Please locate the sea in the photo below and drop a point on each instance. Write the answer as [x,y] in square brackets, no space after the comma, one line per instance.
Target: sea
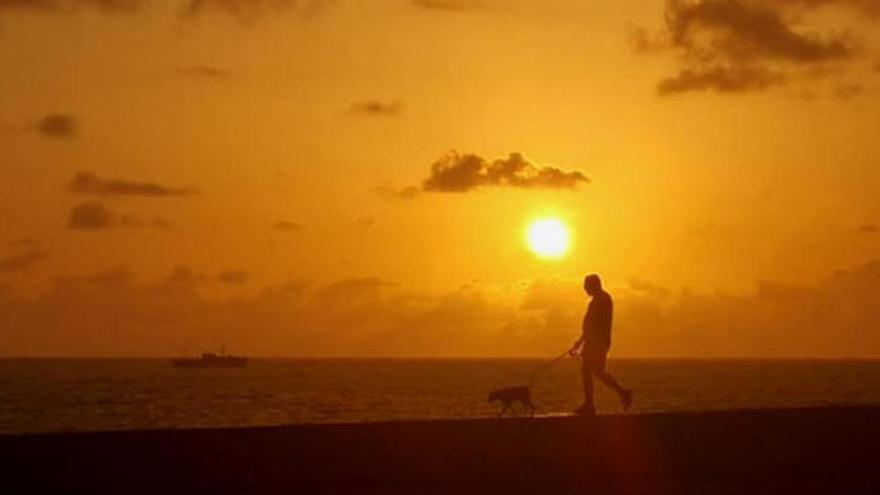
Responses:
[64,395]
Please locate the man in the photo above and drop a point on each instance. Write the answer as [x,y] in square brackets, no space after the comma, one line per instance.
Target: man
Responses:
[594,344]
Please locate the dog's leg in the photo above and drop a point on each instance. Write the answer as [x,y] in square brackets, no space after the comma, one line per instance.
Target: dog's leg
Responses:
[504,409]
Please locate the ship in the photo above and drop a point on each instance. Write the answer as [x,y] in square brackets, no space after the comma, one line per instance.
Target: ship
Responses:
[211,360]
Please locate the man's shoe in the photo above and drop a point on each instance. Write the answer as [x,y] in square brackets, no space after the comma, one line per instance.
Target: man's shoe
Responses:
[626,399]
[585,410]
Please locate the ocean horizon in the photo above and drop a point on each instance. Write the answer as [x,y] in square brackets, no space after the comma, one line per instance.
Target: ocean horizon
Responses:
[41,395]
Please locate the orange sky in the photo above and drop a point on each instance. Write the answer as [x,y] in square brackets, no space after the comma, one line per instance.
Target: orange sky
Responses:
[179,174]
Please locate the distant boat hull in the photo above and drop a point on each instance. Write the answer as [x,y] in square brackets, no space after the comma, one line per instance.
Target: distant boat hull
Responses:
[211,361]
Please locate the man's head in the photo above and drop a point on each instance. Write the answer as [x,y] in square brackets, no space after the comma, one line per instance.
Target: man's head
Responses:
[592,284]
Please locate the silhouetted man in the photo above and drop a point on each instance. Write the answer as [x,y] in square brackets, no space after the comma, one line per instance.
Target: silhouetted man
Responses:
[594,344]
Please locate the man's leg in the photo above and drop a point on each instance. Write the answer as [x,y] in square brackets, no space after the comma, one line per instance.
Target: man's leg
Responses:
[610,382]
[598,359]
[587,377]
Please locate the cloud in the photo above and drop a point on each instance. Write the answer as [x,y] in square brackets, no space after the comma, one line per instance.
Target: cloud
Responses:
[58,126]
[204,72]
[870,8]
[233,277]
[109,313]
[736,46]
[354,287]
[642,42]
[721,79]
[834,318]
[376,108]
[108,6]
[21,261]
[456,172]
[849,91]
[743,31]
[645,287]
[94,215]
[868,228]
[248,10]
[183,276]
[448,5]
[243,10]
[91,215]
[408,192]
[26,242]
[288,227]
[89,183]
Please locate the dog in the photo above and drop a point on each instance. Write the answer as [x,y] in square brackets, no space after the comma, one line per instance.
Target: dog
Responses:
[509,396]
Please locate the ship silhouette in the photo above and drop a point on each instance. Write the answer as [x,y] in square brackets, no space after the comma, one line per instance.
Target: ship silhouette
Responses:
[211,360]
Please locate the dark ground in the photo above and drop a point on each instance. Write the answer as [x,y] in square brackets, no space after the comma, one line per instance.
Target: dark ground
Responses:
[796,451]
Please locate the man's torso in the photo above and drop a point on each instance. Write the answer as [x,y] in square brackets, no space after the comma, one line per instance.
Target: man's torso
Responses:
[597,321]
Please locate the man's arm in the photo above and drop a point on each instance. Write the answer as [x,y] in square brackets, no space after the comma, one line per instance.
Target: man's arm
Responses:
[577,346]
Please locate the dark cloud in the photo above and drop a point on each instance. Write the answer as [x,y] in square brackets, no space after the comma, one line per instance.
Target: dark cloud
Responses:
[735,46]
[204,72]
[94,215]
[456,172]
[248,10]
[288,227]
[26,242]
[21,261]
[740,31]
[110,313]
[408,192]
[233,277]
[849,91]
[868,228]
[835,318]
[183,276]
[360,316]
[868,7]
[243,10]
[58,126]
[448,5]
[721,79]
[89,183]
[117,5]
[91,215]
[376,108]
[108,6]
[641,41]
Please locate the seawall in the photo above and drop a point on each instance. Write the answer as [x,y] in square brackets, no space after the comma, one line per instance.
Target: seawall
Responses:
[819,450]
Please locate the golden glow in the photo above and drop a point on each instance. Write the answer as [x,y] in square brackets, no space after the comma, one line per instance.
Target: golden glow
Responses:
[548,238]
[312,178]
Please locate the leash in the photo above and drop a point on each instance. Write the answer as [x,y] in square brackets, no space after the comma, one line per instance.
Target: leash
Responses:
[544,367]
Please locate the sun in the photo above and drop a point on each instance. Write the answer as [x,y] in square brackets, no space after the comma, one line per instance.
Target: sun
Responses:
[548,238]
